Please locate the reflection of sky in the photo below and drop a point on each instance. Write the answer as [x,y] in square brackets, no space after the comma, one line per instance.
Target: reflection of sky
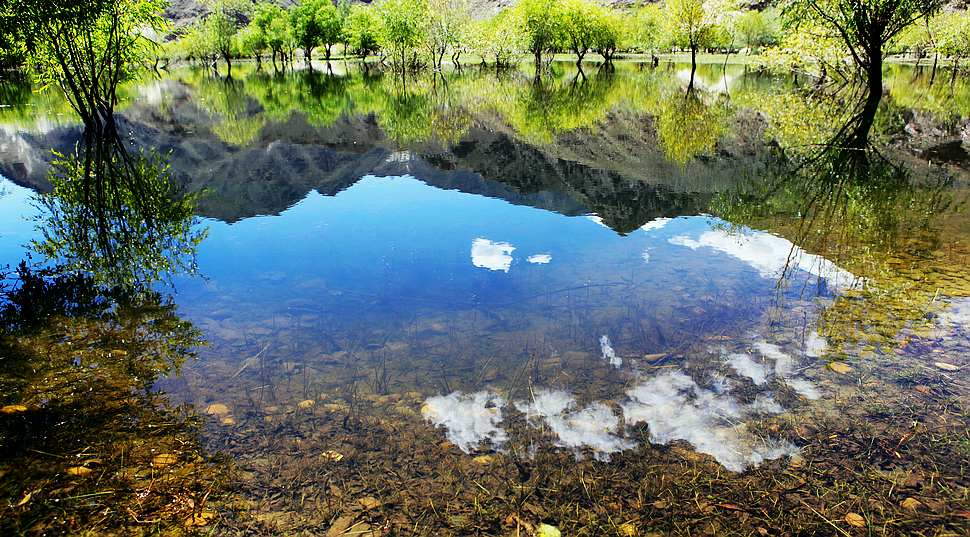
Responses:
[16,226]
[401,240]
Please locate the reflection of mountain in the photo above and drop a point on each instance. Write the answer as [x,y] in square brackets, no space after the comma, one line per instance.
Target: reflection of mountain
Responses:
[624,179]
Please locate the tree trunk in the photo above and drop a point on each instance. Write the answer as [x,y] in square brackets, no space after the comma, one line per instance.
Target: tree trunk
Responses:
[693,67]
[936,57]
[329,47]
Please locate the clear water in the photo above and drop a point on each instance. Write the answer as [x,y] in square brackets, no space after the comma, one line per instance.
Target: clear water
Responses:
[468,251]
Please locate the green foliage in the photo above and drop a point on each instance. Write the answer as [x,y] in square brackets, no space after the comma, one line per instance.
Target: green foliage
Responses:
[498,39]
[542,24]
[863,28]
[579,19]
[447,27]
[690,24]
[130,236]
[756,29]
[222,24]
[403,27]
[362,30]
[316,22]
[86,49]
[687,127]
[273,23]
[649,31]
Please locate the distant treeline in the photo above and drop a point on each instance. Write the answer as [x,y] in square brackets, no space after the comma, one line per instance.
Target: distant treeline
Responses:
[414,33]
[818,36]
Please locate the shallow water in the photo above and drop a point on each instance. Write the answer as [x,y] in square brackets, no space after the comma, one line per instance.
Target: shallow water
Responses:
[479,256]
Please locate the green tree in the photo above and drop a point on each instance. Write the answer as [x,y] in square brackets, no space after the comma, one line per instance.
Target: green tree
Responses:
[691,26]
[864,29]
[541,22]
[362,30]
[305,24]
[252,42]
[953,37]
[331,27]
[222,25]
[579,20]
[271,20]
[609,33]
[316,22]
[649,28]
[498,38]
[751,28]
[85,49]
[403,27]
[447,26]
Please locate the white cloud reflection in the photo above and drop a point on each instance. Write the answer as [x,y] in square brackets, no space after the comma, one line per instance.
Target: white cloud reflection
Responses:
[656,223]
[469,419]
[671,404]
[606,348]
[676,408]
[539,259]
[492,255]
[594,427]
[768,254]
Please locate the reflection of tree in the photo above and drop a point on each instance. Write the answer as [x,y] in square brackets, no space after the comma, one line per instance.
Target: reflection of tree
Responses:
[227,103]
[117,216]
[868,214]
[687,127]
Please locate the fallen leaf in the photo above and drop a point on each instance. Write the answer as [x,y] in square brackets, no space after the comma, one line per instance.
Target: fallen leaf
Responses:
[661,504]
[228,420]
[925,390]
[13,409]
[840,368]
[946,367]
[545,530]
[654,357]
[855,519]
[306,404]
[484,459]
[369,503]
[627,530]
[26,498]
[911,503]
[332,456]
[78,471]
[164,459]
[340,525]
[217,409]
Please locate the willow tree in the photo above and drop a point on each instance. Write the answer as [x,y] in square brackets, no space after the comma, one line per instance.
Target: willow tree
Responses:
[403,27]
[864,27]
[691,26]
[222,24]
[541,23]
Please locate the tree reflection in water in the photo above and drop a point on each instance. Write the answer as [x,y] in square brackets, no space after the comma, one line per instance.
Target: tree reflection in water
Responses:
[872,215]
[86,442]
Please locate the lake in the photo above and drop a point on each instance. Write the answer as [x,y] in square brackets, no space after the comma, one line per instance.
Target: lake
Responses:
[471,302]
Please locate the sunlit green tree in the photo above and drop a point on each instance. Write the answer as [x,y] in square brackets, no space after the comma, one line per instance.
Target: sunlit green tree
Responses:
[863,28]
[222,24]
[447,28]
[362,30]
[403,27]
[542,25]
[691,26]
